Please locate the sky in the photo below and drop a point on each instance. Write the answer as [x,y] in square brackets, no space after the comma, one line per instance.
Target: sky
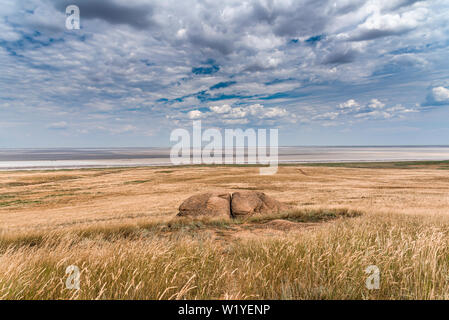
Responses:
[322,72]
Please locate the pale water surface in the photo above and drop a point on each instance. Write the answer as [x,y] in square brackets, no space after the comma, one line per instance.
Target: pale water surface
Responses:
[33,159]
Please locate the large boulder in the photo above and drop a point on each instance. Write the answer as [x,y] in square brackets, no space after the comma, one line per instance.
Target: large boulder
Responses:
[206,204]
[246,203]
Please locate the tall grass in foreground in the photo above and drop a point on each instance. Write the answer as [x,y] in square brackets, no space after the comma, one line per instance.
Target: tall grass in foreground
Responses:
[412,253]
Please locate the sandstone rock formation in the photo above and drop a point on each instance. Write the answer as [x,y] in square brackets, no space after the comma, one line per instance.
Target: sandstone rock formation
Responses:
[244,203]
[247,203]
[211,204]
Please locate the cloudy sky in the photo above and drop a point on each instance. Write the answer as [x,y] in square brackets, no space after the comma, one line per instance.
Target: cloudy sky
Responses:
[338,72]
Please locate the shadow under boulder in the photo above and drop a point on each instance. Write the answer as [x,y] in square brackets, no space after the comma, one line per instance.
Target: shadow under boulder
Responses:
[239,204]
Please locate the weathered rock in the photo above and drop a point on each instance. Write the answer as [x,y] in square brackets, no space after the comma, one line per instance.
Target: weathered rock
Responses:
[206,204]
[243,203]
[247,203]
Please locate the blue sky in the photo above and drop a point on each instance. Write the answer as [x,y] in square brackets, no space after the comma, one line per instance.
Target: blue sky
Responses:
[323,72]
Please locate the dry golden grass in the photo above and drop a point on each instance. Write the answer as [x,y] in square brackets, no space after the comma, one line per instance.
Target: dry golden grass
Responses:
[118,227]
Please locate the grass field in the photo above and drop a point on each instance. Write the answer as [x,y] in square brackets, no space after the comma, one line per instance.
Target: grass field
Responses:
[118,226]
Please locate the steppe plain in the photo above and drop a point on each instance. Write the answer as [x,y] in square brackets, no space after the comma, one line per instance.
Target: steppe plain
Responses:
[119,226]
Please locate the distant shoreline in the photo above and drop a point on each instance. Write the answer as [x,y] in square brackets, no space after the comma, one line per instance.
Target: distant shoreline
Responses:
[343,164]
[85,158]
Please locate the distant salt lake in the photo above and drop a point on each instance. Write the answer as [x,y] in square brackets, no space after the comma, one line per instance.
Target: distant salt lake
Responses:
[68,158]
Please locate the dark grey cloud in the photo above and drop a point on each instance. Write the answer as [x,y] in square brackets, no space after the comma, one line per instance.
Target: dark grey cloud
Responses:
[340,57]
[217,43]
[403,3]
[348,7]
[303,19]
[264,13]
[115,13]
[376,33]
[257,67]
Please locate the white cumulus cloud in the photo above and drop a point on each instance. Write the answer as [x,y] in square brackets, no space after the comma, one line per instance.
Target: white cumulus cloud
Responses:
[440,94]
